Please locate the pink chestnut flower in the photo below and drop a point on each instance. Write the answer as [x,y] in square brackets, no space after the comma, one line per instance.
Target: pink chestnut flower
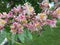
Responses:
[20,28]
[10,15]
[37,26]
[31,27]
[58,12]
[19,9]
[2,23]
[21,18]
[13,29]
[16,28]
[14,10]
[24,12]
[41,17]
[54,14]
[1,15]
[28,8]
[15,24]
[51,23]
[20,31]
[44,4]
[4,15]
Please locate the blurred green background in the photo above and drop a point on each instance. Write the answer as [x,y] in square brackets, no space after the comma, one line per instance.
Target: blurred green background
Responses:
[48,37]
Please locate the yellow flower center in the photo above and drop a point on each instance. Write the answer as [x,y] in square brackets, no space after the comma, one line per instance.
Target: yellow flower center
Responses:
[31,9]
[2,22]
[37,25]
[58,11]
[41,16]
[24,21]
[14,31]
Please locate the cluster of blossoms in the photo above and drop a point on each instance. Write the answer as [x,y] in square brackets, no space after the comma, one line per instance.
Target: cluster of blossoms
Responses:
[21,17]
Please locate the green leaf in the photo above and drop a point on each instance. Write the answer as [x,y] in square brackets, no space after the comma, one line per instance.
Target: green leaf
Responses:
[21,37]
[2,36]
[28,34]
[17,43]
[13,38]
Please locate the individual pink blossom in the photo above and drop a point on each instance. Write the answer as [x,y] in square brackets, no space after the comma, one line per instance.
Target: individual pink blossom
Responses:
[41,16]
[37,26]
[16,28]
[2,23]
[14,10]
[31,27]
[10,15]
[1,15]
[54,14]
[58,13]
[20,28]
[51,23]
[6,19]
[21,18]
[4,15]
[19,9]
[29,9]
[15,24]
[44,4]
[13,29]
